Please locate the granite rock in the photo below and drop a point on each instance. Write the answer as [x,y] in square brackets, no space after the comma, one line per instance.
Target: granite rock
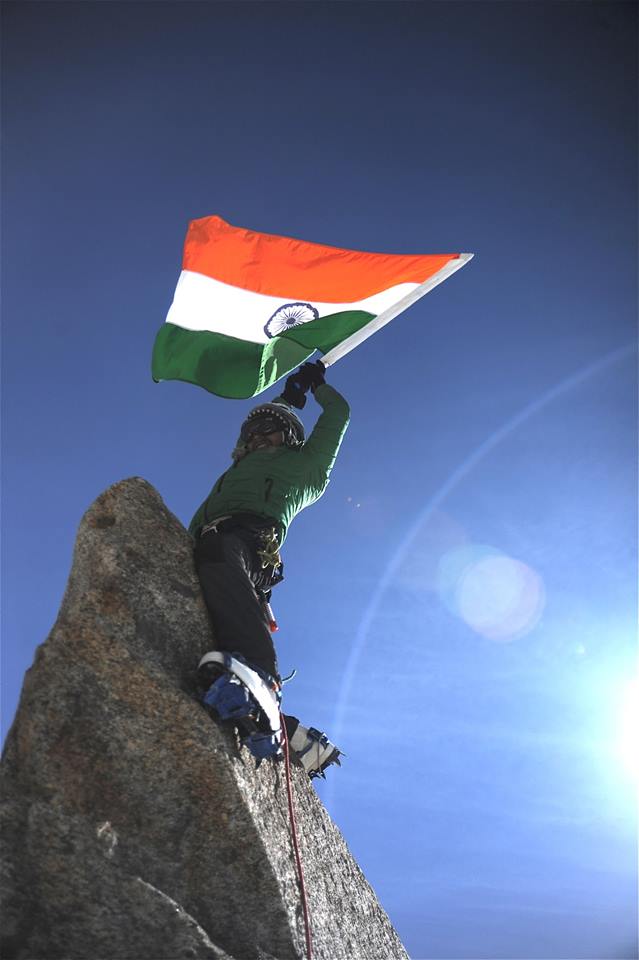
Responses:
[134,826]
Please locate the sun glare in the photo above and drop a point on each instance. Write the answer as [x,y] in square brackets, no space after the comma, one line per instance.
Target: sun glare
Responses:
[628,742]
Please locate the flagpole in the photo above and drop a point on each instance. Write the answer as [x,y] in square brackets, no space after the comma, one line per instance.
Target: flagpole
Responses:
[387,315]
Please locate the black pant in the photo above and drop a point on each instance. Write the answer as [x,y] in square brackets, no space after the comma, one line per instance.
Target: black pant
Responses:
[230,571]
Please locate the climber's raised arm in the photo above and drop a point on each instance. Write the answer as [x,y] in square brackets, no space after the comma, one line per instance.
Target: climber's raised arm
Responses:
[320,450]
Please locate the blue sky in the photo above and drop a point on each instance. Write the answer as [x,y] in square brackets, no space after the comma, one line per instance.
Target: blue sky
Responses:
[461,605]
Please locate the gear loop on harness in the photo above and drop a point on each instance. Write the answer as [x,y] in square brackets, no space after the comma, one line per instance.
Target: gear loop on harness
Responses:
[269,551]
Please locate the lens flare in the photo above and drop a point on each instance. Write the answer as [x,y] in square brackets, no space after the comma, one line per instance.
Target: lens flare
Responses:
[628,740]
[497,596]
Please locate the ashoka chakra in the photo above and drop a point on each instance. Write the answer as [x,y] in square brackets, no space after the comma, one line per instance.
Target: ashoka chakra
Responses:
[290,315]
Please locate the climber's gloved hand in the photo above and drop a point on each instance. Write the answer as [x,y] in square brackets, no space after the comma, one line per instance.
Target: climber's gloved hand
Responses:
[308,377]
[312,374]
[293,392]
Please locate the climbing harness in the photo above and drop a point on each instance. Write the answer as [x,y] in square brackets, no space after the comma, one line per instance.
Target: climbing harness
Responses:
[296,848]
[265,541]
[214,525]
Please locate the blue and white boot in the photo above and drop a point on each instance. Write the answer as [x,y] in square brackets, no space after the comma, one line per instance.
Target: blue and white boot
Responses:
[312,748]
[246,696]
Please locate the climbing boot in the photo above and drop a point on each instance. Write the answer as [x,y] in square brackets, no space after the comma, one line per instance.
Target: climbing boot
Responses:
[234,690]
[311,748]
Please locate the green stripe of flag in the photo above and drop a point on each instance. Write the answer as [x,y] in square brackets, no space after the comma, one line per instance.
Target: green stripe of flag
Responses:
[238,369]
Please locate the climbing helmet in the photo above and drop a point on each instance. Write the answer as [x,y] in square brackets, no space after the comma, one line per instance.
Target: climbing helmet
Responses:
[273,418]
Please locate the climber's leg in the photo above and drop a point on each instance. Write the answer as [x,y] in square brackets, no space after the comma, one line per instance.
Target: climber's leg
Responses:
[224,562]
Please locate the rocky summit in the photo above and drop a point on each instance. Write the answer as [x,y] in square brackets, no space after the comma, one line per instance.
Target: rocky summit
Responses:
[134,826]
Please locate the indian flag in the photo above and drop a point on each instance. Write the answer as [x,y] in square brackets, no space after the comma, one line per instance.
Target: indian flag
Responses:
[250,307]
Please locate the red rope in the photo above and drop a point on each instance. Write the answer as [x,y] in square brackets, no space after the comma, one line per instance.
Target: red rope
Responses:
[298,859]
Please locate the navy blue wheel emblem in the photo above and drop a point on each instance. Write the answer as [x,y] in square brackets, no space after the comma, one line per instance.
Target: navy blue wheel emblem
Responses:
[290,315]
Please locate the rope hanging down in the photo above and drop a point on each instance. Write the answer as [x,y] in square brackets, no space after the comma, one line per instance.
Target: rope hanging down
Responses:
[298,858]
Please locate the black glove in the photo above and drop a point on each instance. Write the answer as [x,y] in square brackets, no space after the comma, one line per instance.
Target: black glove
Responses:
[308,377]
[311,375]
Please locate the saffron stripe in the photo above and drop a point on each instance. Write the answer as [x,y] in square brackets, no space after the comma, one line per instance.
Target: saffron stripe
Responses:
[296,269]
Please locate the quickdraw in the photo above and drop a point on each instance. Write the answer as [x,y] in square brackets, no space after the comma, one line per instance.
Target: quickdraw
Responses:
[269,552]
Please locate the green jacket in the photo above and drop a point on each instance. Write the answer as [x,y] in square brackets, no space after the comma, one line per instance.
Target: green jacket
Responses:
[279,482]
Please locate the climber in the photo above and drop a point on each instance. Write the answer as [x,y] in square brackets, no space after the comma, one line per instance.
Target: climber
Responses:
[238,531]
